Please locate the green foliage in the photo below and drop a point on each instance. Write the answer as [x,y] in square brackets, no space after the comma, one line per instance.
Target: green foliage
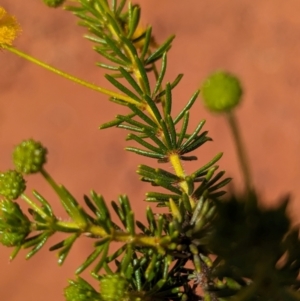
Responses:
[256,237]
[202,247]
[14,225]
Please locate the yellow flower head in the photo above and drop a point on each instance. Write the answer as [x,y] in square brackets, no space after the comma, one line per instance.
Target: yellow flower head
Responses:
[9,28]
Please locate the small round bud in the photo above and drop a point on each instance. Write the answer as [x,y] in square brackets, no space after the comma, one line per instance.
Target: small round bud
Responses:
[12,184]
[113,287]
[14,225]
[53,3]
[29,156]
[221,92]
[81,291]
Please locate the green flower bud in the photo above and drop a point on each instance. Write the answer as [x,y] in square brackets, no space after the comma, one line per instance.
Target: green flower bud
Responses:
[14,225]
[29,156]
[221,92]
[53,3]
[12,184]
[113,288]
[81,291]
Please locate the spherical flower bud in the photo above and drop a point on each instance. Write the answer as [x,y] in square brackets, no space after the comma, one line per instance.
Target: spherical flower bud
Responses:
[113,288]
[81,291]
[221,92]
[53,3]
[14,225]
[12,184]
[29,156]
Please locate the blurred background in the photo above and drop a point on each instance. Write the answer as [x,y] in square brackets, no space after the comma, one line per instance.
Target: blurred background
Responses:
[257,40]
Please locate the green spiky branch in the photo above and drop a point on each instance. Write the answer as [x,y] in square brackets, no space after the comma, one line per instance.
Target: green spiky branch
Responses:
[132,59]
[152,128]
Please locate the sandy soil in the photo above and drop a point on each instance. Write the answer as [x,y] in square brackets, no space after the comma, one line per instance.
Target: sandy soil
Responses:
[257,40]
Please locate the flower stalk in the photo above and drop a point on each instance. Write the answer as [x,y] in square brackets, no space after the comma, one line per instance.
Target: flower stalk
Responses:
[68,76]
[241,151]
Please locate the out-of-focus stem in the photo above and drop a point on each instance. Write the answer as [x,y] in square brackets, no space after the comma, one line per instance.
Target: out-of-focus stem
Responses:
[241,152]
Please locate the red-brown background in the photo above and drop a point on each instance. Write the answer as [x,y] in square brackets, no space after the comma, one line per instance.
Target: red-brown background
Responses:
[257,40]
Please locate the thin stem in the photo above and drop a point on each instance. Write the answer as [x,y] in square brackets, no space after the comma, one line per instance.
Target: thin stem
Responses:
[66,226]
[134,67]
[241,152]
[50,180]
[70,77]
[178,168]
[114,235]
